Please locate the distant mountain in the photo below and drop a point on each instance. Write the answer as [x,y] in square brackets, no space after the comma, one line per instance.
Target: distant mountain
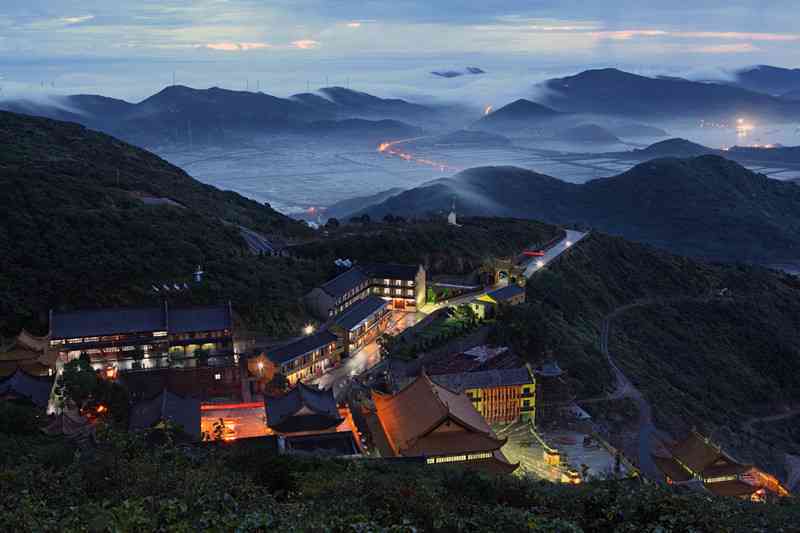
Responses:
[780,155]
[614,92]
[792,95]
[360,129]
[705,206]
[633,130]
[675,148]
[589,133]
[360,104]
[769,79]
[179,114]
[343,209]
[518,114]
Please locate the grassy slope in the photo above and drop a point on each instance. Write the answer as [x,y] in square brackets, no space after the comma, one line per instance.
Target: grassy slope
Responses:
[128,486]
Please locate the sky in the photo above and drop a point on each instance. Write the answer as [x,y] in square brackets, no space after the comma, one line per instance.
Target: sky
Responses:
[133,48]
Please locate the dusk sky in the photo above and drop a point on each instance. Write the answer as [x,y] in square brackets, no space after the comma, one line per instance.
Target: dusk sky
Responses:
[130,48]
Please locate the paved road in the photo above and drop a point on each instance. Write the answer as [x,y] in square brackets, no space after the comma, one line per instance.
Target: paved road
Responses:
[626,389]
[534,265]
[366,358]
[538,263]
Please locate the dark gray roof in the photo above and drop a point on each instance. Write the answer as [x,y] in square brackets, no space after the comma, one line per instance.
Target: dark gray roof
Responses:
[507,292]
[183,412]
[361,311]
[344,282]
[391,271]
[20,383]
[550,369]
[95,322]
[300,347]
[339,443]
[321,405]
[212,318]
[485,379]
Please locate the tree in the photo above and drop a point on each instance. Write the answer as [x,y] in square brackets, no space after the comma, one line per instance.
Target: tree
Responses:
[277,385]
[332,223]
[78,381]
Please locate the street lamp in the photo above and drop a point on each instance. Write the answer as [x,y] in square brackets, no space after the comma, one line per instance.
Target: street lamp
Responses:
[308,330]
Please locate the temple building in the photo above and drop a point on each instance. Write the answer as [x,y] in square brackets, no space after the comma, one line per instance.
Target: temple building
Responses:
[303,410]
[183,413]
[696,458]
[500,396]
[22,386]
[402,286]
[485,306]
[553,395]
[308,419]
[125,339]
[361,324]
[305,358]
[430,421]
[28,353]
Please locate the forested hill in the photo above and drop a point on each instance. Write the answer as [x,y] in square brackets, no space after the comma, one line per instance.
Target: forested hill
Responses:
[86,219]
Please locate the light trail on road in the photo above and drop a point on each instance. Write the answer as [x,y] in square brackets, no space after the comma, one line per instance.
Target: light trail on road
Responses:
[390,148]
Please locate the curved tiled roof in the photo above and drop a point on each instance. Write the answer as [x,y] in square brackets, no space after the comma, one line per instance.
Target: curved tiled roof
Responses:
[410,415]
[284,413]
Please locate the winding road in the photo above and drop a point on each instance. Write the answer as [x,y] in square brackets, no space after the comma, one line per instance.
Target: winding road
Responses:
[626,389]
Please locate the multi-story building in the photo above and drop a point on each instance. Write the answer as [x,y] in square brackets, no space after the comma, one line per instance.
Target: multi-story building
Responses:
[403,286]
[502,395]
[301,359]
[361,324]
[119,340]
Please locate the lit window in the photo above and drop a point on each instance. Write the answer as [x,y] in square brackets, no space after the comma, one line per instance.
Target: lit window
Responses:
[218,376]
[159,334]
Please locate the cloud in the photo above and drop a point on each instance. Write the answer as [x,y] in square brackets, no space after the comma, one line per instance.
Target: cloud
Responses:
[76,20]
[734,48]
[235,47]
[306,44]
[774,37]
[626,35]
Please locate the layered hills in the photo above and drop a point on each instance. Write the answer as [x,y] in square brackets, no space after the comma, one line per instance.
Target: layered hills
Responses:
[704,206]
[179,114]
[614,92]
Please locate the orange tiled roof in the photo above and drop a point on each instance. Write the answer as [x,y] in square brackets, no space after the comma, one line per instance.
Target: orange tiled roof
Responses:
[696,452]
[411,414]
[670,468]
[731,488]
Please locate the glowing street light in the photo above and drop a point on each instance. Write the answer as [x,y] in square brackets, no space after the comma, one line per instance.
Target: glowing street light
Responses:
[308,330]
[539,263]
[568,244]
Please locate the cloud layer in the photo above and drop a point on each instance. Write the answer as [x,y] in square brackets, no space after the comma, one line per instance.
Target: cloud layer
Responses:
[398,40]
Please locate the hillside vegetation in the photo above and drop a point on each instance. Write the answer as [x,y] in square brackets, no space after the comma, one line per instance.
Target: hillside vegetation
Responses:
[128,485]
[710,346]
[706,207]
[74,232]
[443,249]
